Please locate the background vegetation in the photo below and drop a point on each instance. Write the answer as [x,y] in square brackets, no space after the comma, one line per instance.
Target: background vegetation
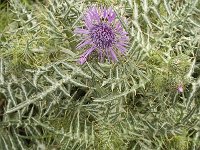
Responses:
[48,101]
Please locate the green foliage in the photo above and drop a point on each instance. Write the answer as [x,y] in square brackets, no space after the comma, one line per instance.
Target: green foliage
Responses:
[49,101]
[5,17]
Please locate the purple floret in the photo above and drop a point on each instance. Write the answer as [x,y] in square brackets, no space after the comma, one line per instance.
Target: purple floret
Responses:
[103,33]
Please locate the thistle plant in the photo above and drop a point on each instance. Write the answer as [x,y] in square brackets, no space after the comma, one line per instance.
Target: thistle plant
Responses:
[135,86]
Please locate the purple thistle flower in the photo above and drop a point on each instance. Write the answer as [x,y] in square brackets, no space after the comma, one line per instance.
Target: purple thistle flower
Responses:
[102,33]
[180,88]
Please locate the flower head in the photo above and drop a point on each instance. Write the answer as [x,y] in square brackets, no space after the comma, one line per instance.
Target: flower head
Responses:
[180,88]
[102,33]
